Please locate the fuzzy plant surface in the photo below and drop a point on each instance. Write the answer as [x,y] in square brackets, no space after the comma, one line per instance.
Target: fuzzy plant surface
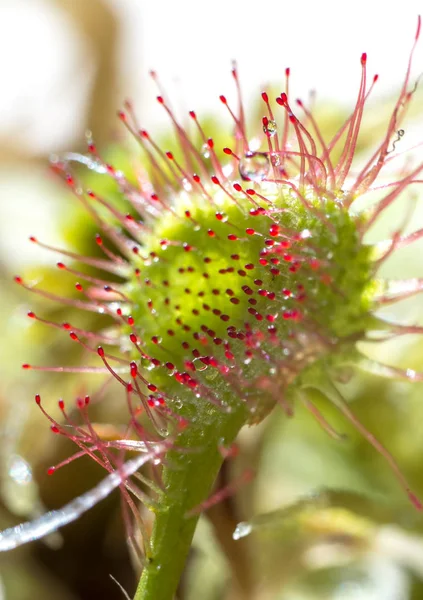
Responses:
[240,279]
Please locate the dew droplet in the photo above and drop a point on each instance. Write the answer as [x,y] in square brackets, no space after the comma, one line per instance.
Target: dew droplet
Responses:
[275,159]
[270,128]
[254,166]
[186,184]
[242,530]
[411,374]
[205,150]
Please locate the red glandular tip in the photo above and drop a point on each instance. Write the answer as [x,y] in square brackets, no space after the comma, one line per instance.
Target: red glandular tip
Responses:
[134,369]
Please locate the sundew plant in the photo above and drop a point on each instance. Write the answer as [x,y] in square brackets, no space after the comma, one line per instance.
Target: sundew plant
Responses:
[241,282]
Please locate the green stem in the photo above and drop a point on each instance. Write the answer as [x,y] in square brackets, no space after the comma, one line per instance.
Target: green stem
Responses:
[188,479]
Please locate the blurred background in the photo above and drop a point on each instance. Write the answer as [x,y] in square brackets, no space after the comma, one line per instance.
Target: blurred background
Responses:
[333,524]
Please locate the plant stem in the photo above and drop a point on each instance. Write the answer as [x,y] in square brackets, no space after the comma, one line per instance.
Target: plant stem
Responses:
[188,478]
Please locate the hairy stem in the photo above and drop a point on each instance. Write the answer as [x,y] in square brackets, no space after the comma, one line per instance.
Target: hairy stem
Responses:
[188,478]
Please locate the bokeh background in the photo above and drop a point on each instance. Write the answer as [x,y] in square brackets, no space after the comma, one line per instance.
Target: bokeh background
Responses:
[327,520]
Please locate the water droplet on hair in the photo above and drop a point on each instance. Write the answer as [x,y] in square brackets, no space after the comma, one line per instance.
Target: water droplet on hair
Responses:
[270,128]
[205,150]
[242,530]
[411,374]
[254,166]
[275,159]
[186,184]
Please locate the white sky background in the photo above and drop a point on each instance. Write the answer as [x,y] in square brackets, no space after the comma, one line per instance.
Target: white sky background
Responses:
[46,70]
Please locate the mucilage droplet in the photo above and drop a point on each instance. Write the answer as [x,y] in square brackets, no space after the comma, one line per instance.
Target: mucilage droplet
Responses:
[270,128]
[254,166]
